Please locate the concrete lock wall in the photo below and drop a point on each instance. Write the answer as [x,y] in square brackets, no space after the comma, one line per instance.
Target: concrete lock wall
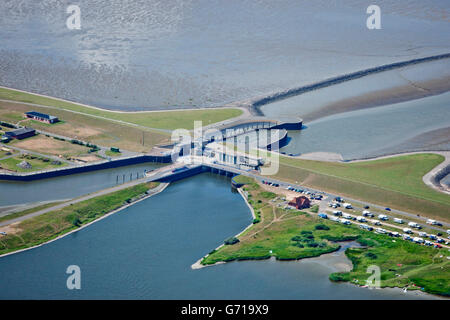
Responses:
[85,168]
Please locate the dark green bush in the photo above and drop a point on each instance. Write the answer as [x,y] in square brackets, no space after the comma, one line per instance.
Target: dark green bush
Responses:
[231,241]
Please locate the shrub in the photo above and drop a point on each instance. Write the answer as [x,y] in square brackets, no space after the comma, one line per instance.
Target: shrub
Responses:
[322,227]
[315,208]
[371,255]
[256,220]
[312,244]
[231,241]
[74,219]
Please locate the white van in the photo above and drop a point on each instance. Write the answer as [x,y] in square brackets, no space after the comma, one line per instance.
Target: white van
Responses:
[398,220]
[407,230]
[383,217]
[423,234]
[361,219]
[418,240]
[414,225]
[347,205]
[431,221]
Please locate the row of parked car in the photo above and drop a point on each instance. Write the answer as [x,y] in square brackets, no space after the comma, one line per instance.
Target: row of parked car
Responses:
[271,183]
[406,236]
[312,195]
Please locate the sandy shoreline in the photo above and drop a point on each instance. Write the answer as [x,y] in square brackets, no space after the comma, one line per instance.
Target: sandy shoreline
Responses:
[88,224]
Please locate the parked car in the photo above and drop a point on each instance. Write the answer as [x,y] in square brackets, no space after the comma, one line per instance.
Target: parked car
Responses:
[346,222]
[367,213]
[323,215]
[383,217]
[418,240]
[394,234]
[346,216]
[414,225]
[423,234]
[337,213]
[387,209]
[366,207]
[407,230]
[361,219]
[398,220]
[376,222]
[406,237]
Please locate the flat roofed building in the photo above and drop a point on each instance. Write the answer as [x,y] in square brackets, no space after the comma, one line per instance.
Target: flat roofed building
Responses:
[41,117]
[21,133]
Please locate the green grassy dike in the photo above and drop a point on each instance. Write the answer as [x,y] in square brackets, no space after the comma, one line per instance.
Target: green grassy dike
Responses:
[392,182]
[43,228]
[291,235]
[169,120]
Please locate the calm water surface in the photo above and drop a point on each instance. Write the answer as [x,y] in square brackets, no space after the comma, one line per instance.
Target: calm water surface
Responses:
[367,132]
[146,251]
[66,187]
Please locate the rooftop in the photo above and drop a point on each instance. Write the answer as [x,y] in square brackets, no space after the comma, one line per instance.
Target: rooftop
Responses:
[40,115]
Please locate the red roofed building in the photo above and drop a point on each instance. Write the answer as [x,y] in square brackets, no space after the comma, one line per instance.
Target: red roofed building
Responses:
[300,202]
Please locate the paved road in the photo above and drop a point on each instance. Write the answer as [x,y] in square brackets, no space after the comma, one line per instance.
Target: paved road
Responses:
[358,203]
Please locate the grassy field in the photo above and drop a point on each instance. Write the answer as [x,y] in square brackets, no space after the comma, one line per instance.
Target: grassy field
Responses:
[50,146]
[110,153]
[37,163]
[162,120]
[394,182]
[291,234]
[89,129]
[50,225]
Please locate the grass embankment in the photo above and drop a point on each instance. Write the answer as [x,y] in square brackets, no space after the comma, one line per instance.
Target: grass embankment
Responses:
[87,128]
[37,163]
[393,182]
[40,229]
[162,120]
[291,234]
